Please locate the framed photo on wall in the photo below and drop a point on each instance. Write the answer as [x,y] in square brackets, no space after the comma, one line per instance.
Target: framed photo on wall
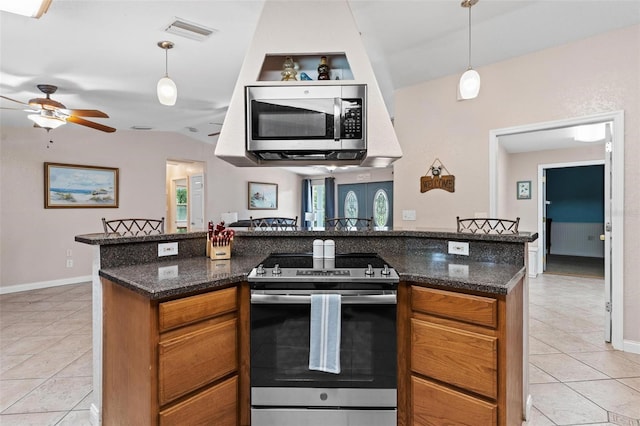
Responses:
[263,196]
[75,186]
[523,190]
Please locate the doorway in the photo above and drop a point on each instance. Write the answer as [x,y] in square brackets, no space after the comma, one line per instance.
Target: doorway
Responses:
[614,213]
[185,196]
[573,209]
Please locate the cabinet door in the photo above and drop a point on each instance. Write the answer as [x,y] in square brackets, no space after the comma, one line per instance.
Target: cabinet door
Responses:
[461,358]
[214,406]
[435,405]
[192,360]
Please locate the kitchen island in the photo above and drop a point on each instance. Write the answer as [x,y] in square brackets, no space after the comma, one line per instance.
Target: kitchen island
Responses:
[476,299]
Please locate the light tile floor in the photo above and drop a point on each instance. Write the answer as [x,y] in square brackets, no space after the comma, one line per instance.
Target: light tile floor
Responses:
[576,379]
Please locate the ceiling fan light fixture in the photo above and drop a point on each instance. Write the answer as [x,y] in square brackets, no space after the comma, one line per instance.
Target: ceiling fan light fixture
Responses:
[29,8]
[46,120]
[166,89]
[469,85]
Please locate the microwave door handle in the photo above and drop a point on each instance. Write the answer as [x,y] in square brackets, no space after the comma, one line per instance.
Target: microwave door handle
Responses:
[337,114]
[371,299]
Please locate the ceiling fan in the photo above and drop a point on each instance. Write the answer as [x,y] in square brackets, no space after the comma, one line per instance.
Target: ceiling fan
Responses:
[50,114]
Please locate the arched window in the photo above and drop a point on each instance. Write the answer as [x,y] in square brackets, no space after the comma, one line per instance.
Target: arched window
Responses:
[351,204]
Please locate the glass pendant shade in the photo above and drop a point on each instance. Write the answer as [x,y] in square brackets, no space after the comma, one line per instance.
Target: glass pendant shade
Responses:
[46,122]
[469,86]
[167,91]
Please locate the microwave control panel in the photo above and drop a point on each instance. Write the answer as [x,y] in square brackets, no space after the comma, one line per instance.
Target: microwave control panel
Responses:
[351,119]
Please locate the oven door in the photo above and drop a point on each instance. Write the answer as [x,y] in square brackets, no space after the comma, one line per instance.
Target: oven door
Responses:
[280,341]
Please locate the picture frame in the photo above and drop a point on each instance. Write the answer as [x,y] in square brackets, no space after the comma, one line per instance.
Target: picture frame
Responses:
[523,190]
[262,196]
[76,186]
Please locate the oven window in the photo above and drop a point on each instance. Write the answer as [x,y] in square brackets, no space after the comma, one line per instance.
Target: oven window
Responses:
[280,347]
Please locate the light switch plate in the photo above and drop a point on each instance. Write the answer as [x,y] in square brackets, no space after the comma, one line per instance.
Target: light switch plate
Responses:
[167,249]
[457,247]
[408,215]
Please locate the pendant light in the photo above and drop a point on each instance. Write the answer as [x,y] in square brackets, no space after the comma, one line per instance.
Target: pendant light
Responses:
[167,90]
[469,85]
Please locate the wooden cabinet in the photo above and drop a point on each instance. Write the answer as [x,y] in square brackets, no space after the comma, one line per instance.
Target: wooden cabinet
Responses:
[465,358]
[170,363]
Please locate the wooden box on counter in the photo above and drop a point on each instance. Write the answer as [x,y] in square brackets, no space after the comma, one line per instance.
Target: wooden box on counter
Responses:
[218,252]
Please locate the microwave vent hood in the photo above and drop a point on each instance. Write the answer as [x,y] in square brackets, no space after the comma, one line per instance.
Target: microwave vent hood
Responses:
[344,39]
[311,158]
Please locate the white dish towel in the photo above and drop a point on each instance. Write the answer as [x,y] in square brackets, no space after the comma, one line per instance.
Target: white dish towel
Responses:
[324,345]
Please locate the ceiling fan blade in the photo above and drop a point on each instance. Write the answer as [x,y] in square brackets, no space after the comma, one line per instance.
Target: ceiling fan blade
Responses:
[84,113]
[13,100]
[19,109]
[91,124]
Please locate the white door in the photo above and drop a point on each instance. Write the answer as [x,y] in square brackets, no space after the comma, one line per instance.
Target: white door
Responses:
[545,242]
[607,232]
[196,203]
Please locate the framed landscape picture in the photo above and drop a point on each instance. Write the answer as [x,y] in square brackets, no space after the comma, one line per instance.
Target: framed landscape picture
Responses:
[263,196]
[74,186]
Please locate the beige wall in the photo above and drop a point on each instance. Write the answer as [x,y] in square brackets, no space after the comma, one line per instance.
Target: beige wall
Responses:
[594,75]
[34,240]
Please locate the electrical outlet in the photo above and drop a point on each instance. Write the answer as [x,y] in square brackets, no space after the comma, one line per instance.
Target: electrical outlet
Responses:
[457,247]
[408,215]
[167,249]
[69,263]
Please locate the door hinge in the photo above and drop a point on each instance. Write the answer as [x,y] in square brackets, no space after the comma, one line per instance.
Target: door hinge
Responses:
[607,227]
[609,147]
[607,306]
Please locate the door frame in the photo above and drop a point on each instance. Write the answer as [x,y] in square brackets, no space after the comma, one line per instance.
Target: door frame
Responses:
[617,200]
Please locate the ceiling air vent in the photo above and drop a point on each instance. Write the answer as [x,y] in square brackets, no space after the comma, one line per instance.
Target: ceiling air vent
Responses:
[190,30]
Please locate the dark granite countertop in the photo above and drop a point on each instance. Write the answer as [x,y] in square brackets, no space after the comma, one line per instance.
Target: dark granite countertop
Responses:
[181,277]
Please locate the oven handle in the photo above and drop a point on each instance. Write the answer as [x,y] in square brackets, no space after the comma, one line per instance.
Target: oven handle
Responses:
[371,299]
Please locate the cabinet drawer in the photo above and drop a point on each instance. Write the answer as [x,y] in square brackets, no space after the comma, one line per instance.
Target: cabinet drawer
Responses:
[214,406]
[194,359]
[195,308]
[436,405]
[462,358]
[463,307]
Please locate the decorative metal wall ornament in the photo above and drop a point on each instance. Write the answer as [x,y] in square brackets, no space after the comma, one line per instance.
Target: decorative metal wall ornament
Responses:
[437,180]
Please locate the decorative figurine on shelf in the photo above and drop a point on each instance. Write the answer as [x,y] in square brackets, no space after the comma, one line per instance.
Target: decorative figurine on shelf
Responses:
[288,69]
[304,76]
[323,69]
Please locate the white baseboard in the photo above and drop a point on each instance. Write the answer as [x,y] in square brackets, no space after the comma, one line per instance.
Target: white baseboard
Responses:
[631,346]
[94,415]
[45,284]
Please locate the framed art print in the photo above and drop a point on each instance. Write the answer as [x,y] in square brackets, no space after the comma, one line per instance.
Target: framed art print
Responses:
[75,186]
[523,190]
[263,196]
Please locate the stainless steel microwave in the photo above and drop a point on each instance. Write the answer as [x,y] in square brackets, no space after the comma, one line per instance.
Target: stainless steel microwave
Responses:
[307,122]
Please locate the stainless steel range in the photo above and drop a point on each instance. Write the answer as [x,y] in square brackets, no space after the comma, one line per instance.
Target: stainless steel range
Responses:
[286,386]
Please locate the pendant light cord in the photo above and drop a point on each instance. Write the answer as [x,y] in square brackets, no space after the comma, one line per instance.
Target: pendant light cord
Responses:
[469,36]
[166,59]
